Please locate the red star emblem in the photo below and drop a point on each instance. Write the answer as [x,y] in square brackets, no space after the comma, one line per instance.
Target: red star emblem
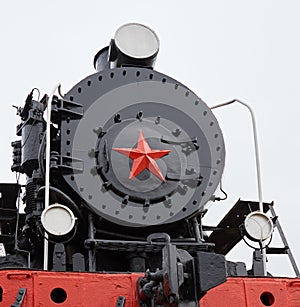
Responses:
[143,158]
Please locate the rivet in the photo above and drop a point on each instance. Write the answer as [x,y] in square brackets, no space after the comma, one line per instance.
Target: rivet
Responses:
[176,132]
[125,200]
[117,118]
[139,116]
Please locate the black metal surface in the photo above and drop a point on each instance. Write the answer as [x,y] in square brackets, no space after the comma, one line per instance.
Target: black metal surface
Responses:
[143,246]
[257,263]
[9,194]
[173,117]
[63,109]
[8,214]
[78,262]
[17,156]
[145,187]
[172,276]
[101,59]
[228,232]
[210,270]
[174,284]
[277,250]
[31,129]
[59,258]
[14,261]
[137,262]
[236,268]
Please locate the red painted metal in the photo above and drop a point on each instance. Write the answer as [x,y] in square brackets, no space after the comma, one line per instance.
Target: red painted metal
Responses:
[143,158]
[254,292]
[46,289]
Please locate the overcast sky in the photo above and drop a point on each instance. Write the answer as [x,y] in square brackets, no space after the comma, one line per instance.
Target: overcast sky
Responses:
[220,49]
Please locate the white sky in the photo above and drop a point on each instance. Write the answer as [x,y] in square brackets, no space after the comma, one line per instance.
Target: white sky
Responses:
[220,49]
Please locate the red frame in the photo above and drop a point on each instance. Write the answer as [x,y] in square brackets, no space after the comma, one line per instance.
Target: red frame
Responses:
[100,289]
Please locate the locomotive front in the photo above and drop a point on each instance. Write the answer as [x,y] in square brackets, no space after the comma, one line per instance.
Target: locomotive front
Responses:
[120,172]
[133,146]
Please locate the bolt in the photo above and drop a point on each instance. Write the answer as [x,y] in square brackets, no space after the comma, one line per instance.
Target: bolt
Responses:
[106,185]
[190,171]
[176,132]
[139,116]
[117,118]
[98,131]
[167,201]
[94,171]
[125,200]
[92,153]
[182,190]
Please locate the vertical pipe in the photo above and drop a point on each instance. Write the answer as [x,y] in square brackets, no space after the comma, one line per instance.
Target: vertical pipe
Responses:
[47,170]
[197,233]
[257,161]
[91,234]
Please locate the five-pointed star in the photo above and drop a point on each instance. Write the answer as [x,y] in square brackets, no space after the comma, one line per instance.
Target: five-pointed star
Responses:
[143,158]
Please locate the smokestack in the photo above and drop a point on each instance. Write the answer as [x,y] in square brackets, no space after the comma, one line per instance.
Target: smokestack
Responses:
[134,44]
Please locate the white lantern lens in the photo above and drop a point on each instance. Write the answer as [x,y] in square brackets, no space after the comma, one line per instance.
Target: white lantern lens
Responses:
[136,40]
[258,226]
[58,220]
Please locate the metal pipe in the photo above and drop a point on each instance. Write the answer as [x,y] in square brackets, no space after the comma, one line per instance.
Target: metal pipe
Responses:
[197,233]
[91,234]
[257,161]
[47,172]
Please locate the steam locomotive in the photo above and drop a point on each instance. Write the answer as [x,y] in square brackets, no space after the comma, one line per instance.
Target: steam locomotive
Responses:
[118,177]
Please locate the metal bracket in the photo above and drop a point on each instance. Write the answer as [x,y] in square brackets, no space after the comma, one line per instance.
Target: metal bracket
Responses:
[183,279]
[144,246]
[121,301]
[62,109]
[174,285]
[67,164]
[19,298]
[187,145]
[257,263]
[59,258]
[71,165]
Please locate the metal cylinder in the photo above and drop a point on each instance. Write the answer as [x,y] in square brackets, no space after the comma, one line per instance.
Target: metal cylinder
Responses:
[31,135]
[101,59]
[134,44]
